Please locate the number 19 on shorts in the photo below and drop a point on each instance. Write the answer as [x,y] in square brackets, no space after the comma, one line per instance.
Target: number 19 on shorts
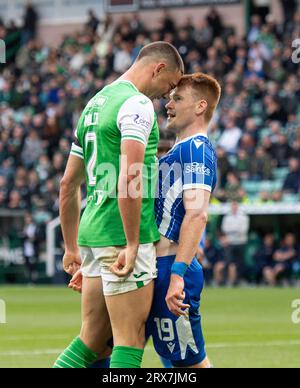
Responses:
[165,329]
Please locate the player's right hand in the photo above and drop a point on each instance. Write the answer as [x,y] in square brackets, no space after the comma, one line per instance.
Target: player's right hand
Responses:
[71,262]
[175,297]
[76,282]
[125,264]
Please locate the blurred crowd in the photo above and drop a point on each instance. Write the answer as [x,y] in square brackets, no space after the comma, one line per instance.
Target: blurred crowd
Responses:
[232,257]
[256,129]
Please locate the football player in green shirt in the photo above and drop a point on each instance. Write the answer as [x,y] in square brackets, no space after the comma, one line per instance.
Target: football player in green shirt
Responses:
[115,154]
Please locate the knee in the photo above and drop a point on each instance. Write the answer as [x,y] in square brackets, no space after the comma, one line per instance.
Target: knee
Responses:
[220,266]
[267,272]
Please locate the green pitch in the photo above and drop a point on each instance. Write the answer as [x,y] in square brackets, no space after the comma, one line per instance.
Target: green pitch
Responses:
[243,327]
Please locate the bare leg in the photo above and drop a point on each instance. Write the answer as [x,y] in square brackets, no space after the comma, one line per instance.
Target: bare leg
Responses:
[96,329]
[219,273]
[232,274]
[269,276]
[128,315]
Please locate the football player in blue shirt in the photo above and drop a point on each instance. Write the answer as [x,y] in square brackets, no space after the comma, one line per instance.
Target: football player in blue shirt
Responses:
[187,177]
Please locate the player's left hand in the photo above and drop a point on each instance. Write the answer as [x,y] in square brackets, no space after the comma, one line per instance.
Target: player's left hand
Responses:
[125,264]
[76,282]
[176,296]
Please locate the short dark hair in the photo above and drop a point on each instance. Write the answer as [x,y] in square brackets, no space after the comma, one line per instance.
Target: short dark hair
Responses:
[164,51]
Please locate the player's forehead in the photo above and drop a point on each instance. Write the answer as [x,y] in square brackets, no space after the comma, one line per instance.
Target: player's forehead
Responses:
[174,76]
[181,91]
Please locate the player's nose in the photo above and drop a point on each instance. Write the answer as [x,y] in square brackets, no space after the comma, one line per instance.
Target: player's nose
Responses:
[168,105]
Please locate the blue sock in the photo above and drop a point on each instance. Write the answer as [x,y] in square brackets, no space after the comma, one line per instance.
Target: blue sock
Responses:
[101,364]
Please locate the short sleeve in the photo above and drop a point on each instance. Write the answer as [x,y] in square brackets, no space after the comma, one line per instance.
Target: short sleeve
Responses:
[197,165]
[76,149]
[136,118]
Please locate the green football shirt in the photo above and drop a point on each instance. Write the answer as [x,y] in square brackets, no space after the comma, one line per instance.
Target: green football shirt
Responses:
[119,111]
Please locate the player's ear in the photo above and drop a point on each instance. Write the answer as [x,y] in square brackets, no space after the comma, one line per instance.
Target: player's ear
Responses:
[158,69]
[201,107]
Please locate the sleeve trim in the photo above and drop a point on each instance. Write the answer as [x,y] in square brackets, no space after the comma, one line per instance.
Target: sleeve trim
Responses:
[131,137]
[76,148]
[74,153]
[197,186]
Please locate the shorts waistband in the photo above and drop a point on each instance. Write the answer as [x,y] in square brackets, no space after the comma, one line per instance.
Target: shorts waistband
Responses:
[166,258]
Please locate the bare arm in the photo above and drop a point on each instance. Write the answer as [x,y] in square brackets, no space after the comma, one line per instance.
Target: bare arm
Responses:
[196,204]
[69,209]
[130,190]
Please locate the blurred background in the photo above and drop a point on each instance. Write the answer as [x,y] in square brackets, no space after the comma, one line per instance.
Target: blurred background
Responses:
[59,53]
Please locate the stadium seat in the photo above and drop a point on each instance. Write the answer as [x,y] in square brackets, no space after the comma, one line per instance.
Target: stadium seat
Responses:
[291,198]
[281,173]
[270,186]
[251,187]
[265,132]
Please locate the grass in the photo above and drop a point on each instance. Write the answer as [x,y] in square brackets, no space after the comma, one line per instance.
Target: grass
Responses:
[243,327]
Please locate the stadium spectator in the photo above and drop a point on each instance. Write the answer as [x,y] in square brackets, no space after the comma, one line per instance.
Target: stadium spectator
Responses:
[292,182]
[30,23]
[282,151]
[283,258]
[224,166]
[296,149]
[235,226]
[215,261]
[256,129]
[243,164]
[264,258]
[32,149]
[93,21]
[233,191]
[215,22]
[30,247]
[167,23]
[230,137]
[288,7]
[261,165]
[203,35]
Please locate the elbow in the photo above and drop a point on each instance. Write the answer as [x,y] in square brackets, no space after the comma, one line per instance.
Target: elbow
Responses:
[67,186]
[63,184]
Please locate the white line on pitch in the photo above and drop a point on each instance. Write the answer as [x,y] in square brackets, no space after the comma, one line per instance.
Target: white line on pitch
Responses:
[32,337]
[41,352]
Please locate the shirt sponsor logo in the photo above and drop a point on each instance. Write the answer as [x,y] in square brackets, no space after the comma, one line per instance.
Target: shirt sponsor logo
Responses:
[140,121]
[197,168]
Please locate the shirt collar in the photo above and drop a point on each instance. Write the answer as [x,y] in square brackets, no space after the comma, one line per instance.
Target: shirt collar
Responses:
[191,137]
